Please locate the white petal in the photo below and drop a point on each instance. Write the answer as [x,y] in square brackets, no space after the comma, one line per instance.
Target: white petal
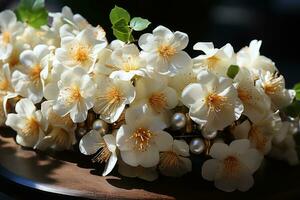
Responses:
[192,93]
[180,147]
[110,164]
[252,159]
[7,18]
[110,141]
[163,32]
[163,140]
[89,143]
[226,183]
[130,158]
[25,107]
[28,58]
[180,60]
[122,138]
[210,169]
[148,158]
[219,151]
[239,146]
[181,40]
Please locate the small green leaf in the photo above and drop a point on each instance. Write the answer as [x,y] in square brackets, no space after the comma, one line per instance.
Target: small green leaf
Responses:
[232,71]
[297,90]
[122,31]
[139,24]
[32,12]
[118,13]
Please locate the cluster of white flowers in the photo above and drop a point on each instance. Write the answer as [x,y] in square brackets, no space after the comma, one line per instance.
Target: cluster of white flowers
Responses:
[53,78]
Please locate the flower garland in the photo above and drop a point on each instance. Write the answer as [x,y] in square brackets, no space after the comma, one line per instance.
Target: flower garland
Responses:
[143,106]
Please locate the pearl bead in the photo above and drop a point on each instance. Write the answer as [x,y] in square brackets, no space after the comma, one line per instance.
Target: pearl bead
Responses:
[209,135]
[101,126]
[197,146]
[178,121]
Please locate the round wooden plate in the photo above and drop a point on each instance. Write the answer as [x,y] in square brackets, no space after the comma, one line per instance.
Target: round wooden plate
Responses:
[72,174]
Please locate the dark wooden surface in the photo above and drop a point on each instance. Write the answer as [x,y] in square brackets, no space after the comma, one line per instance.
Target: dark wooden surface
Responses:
[72,174]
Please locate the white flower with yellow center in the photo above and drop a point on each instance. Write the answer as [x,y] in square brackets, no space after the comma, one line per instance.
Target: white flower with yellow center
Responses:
[79,50]
[111,97]
[156,94]
[213,102]
[75,95]
[28,123]
[142,137]
[214,60]
[13,60]
[163,50]
[9,28]
[148,174]
[260,133]
[231,167]
[27,81]
[274,86]
[92,142]
[174,161]
[127,62]
[284,145]
[256,103]
[250,58]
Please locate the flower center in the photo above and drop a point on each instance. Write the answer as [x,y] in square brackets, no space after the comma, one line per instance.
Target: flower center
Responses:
[34,74]
[6,37]
[14,58]
[113,95]
[4,85]
[60,136]
[57,119]
[244,95]
[215,102]
[158,101]
[31,128]
[103,155]
[166,51]
[141,137]
[257,138]
[81,53]
[273,85]
[212,61]
[169,160]
[231,165]
[74,95]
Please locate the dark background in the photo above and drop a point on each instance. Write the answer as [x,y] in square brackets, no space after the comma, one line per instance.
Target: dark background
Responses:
[276,22]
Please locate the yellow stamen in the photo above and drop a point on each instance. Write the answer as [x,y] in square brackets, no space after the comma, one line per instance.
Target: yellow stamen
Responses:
[4,85]
[158,101]
[166,51]
[34,74]
[6,37]
[169,160]
[212,61]
[14,58]
[244,95]
[273,85]
[74,95]
[142,138]
[81,53]
[215,102]
[231,165]
[103,155]
[31,127]
[256,136]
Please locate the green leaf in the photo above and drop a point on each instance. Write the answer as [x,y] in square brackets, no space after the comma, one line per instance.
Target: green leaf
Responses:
[297,90]
[232,71]
[139,24]
[122,31]
[293,109]
[32,12]
[118,13]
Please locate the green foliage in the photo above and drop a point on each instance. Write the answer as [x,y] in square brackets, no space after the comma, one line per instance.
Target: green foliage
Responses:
[32,12]
[122,25]
[232,71]
[297,90]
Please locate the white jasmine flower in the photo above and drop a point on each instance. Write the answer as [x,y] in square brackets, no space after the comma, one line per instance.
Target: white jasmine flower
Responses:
[79,50]
[142,137]
[5,80]
[231,167]
[27,82]
[174,161]
[13,59]
[93,141]
[75,95]
[215,60]
[250,58]
[213,102]
[111,97]
[156,94]
[284,145]
[103,64]
[163,50]
[256,103]
[274,86]
[28,123]
[148,174]
[9,28]
[127,62]
[259,133]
